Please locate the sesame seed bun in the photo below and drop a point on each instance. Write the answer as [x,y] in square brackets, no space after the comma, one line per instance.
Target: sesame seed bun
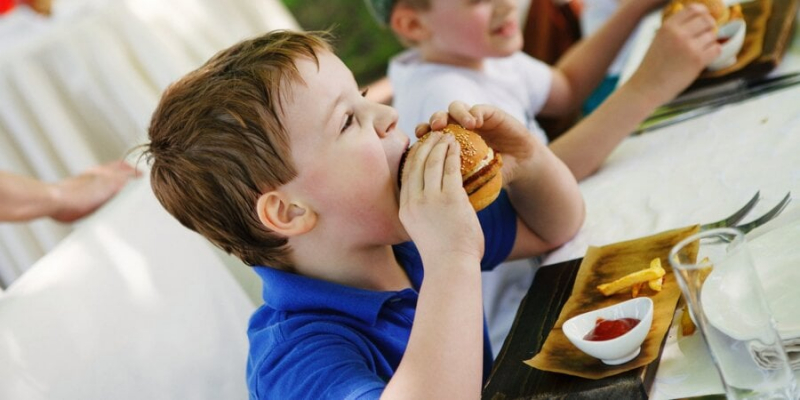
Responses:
[717,8]
[480,166]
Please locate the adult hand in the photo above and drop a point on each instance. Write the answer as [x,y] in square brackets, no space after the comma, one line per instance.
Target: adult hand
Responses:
[79,196]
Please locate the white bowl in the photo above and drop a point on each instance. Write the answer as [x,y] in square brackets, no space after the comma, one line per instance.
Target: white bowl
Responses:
[618,350]
[733,34]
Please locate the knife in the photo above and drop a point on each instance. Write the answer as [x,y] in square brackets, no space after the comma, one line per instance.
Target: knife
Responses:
[725,93]
[690,108]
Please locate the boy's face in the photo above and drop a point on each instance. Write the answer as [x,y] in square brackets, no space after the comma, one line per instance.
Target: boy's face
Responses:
[473,29]
[347,153]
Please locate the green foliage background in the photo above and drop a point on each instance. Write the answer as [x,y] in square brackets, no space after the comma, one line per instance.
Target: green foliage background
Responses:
[361,42]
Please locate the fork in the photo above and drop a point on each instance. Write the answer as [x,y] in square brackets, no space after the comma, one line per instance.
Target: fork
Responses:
[735,217]
[769,215]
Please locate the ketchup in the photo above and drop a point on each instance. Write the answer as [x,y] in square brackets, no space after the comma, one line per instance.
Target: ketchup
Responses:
[722,40]
[607,329]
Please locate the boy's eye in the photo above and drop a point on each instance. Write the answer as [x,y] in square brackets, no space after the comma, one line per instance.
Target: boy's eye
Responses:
[347,122]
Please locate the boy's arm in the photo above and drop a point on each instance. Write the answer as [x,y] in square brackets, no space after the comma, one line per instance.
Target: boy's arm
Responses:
[684,45]
[444,355]
[541,188]
[581,69]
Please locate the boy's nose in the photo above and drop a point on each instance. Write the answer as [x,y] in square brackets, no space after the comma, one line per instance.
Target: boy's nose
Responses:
[505,4]
[385,120]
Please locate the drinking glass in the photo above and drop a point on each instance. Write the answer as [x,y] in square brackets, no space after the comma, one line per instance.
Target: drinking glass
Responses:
[726,301]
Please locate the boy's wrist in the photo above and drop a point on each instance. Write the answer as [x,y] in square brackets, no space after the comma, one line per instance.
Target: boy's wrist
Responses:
[635,9]
[456,261]
[640,95]
[527,167]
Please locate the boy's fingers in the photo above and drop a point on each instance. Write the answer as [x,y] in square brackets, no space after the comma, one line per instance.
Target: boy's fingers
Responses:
[708,40]
[434,165]
[690,11]
[460,113]
[422,129]
[438,121]
[415,164]
[711,49]
[483,113]
[700,24]
[696,20]
[452,168]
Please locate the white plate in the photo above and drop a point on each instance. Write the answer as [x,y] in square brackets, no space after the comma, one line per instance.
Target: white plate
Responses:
[776,256]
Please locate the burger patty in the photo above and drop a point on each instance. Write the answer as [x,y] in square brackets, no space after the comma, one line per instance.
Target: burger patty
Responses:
[478,179]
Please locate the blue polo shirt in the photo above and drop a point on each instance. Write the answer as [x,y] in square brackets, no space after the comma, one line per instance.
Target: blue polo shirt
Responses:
[314,339]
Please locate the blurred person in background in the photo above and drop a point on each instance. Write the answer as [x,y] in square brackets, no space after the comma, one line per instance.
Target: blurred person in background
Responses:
[24,198]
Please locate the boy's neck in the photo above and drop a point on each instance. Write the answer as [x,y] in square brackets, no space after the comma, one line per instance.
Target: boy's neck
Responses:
[371,269]
[436,56]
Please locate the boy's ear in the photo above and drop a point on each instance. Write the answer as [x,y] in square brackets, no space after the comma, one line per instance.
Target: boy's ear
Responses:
[406,22]
[283,216]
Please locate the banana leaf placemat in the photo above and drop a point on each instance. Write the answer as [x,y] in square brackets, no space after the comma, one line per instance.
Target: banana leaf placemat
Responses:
[553,286]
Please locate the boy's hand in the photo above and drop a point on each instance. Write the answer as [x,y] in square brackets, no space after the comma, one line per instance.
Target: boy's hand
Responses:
[500,130]
[684,45]
[434,207]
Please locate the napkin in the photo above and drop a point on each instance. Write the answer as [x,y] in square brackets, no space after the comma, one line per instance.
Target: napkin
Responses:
[768,359]
[777,261]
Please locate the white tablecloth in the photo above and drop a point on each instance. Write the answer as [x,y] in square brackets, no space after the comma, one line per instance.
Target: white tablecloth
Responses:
[78,88]
[695,172]
[131,305]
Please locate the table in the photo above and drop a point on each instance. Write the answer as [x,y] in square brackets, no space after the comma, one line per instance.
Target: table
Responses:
[538,312]
[78,88]
[694,172]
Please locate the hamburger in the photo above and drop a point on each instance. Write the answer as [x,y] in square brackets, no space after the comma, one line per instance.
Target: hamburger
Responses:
[717,8]
[480,166]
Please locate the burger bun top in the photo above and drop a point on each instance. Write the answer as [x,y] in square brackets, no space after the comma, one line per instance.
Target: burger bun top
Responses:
[717,8]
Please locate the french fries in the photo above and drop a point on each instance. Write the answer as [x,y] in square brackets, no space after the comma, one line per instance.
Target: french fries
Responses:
[652,276]
[687,325]
[636,288]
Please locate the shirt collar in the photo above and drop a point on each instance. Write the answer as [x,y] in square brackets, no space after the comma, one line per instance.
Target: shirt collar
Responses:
[285,291]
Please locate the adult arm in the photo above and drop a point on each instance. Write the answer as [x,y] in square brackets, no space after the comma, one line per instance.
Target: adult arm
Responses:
[23,198]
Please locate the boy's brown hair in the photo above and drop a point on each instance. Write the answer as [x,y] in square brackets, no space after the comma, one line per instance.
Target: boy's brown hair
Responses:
[217,143]
[382,9]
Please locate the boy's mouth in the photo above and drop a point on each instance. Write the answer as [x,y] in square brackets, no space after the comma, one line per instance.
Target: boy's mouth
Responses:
[400,168]
[507,29]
